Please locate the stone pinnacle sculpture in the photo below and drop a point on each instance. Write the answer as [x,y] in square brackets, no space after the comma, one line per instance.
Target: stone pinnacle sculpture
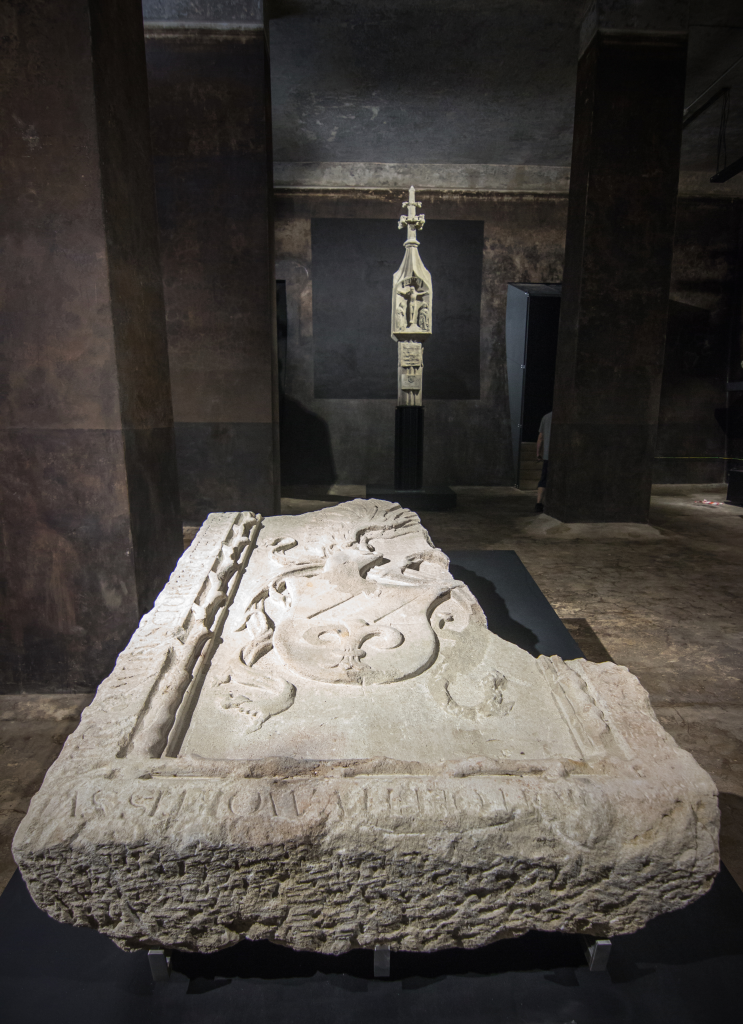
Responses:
[411,309]
[314,738]
[411,326]
[412,319]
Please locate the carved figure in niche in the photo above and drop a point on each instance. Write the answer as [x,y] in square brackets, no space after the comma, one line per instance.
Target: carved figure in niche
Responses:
[412,297]
[400,318]
[423,321]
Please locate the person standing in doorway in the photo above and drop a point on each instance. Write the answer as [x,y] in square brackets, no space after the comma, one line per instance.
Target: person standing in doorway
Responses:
[543,452]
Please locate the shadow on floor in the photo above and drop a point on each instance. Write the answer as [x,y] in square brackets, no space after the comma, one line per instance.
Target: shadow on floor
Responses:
[731,834]
[535,951]
[589,643]
[306,451]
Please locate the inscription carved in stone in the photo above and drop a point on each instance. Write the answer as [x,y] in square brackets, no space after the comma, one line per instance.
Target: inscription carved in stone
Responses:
[314,738]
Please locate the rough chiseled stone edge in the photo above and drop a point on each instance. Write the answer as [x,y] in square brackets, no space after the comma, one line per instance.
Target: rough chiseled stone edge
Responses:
[177,869]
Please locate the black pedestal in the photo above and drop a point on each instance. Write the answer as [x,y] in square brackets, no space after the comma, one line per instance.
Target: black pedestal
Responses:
[735,487]
[408,447]
[408,490]
[428,499]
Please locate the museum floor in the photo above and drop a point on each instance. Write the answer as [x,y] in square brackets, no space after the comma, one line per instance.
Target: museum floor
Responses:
[668,607]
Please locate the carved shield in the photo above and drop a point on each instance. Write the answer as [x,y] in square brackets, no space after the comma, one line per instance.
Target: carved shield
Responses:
[350,625]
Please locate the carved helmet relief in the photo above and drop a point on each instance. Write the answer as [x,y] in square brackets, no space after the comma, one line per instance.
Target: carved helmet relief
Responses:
[361,618]
[350,603]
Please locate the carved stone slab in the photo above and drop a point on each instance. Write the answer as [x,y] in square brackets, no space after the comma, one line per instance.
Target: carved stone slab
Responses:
[313,738]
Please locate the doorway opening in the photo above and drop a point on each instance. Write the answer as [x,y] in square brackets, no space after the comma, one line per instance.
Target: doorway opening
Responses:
[532,322]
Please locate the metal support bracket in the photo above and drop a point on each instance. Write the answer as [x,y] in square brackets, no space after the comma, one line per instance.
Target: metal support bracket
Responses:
[597,952]
[159,964]
[381,961]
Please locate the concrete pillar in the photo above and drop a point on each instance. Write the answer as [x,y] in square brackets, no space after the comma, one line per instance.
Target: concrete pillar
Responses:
[211,130]
[623,187]
[89,519]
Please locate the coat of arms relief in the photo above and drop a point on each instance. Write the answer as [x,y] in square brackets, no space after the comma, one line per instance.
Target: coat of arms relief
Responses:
[364,602]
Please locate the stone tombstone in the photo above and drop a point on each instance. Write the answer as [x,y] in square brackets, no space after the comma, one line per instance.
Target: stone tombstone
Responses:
[313,738]
[412,297]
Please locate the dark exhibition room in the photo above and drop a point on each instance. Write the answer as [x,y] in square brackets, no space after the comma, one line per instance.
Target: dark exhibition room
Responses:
[371,511]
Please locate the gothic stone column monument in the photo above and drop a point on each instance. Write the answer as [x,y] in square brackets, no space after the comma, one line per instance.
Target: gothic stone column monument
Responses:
[313,738]
[412,317]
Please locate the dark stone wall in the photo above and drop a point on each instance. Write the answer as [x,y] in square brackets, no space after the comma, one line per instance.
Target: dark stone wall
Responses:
[89,520]
[701,342]
[226,466]
[212,156]
[487,83]
[351,441]
[619,244]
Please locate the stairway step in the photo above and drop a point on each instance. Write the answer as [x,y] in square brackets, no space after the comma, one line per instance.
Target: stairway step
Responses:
[530,467]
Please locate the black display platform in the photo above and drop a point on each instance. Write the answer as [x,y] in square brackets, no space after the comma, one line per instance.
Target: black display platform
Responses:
[735,487]
[514,606]
[427,499]
[682,968]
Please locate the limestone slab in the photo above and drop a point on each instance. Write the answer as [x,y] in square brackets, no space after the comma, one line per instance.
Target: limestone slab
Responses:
[313,738]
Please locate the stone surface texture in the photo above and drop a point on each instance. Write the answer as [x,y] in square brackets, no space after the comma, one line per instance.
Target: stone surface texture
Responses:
[314,738]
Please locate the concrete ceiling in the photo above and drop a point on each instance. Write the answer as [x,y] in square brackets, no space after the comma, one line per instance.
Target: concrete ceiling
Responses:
[461,81]
[425,81]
